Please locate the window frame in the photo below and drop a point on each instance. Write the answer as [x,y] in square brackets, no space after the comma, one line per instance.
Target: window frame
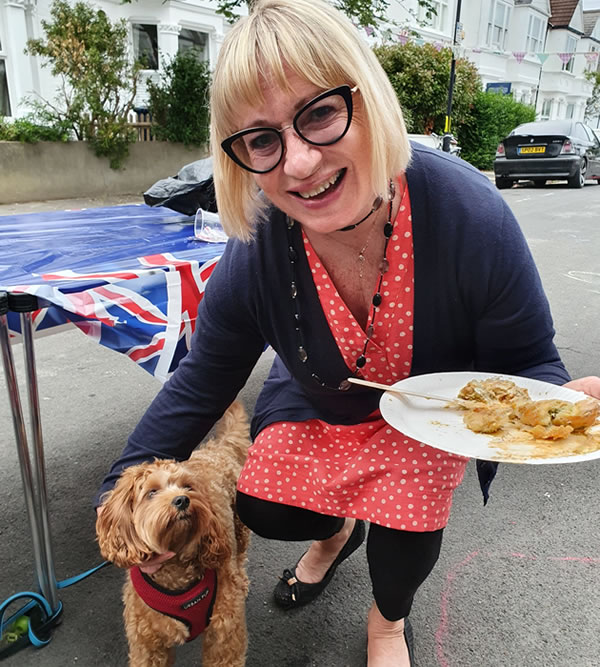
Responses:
[531,38]
[206,47]
[500,44]
[437,21]
[155,47]
[4,80]
[545,115]
[568,67]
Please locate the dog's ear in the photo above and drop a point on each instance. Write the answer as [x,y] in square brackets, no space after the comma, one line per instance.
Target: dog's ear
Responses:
[117,537]
[215,546]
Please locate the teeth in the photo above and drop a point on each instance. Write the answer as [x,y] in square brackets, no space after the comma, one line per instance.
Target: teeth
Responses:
[321,188]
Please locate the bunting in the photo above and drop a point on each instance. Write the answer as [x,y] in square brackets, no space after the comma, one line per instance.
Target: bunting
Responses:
[404,37]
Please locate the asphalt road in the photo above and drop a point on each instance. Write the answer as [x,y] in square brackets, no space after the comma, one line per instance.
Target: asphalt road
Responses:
[517,582]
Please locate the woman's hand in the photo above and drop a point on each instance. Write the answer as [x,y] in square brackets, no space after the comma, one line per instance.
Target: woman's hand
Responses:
[150,566]
[589,385]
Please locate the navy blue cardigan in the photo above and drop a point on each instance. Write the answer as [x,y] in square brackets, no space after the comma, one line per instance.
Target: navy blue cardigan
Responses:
[478,305]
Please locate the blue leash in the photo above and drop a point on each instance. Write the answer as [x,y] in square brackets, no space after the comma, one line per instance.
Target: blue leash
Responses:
[39,601]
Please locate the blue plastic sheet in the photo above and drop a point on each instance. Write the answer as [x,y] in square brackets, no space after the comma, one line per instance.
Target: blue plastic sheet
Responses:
[131,277]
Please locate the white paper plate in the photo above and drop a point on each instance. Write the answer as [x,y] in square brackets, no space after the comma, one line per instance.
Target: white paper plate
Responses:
[429,421]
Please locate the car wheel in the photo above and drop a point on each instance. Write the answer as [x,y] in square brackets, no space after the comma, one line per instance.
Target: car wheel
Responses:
[503,183]
[539,184]
[578,178]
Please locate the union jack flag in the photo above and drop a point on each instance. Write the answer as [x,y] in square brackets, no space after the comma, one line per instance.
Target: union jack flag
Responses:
[147,313]
[130,277]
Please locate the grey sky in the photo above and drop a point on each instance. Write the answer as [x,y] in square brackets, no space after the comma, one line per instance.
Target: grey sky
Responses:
[591,4]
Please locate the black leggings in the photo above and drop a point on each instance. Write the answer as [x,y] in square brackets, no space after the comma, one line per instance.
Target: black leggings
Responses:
[399,560]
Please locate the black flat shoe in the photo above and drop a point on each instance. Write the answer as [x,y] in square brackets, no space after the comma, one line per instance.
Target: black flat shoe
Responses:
[290,592]
[410,641]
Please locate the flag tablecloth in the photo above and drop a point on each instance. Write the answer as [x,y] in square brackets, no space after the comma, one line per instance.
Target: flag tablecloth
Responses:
[130,277]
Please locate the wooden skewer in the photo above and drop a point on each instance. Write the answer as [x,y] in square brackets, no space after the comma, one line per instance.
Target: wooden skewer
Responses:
[401,392]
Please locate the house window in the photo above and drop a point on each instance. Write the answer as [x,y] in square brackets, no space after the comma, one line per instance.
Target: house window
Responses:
[593,64]
[192,40]
[570,111]
[571,47]
[546,109]
[145,44]
[4,97]
[498,21]
[535,34]
[437,21]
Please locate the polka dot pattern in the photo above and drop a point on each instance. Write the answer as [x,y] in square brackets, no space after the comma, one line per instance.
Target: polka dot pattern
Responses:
[367,471]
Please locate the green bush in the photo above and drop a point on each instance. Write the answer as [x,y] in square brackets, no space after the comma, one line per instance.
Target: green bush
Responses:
[179,102]
[420,76]
[492,118]
[29,131]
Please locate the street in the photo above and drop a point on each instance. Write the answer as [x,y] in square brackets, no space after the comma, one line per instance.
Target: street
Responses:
[517,581]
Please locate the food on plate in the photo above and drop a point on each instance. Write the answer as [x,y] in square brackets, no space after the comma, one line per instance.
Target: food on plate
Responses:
[498,405]
[493,389]
[487,418]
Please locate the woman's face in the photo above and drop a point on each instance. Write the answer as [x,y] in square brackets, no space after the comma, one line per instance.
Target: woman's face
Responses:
[323,187]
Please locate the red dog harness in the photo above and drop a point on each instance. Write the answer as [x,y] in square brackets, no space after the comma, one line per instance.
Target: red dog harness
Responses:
[192,606]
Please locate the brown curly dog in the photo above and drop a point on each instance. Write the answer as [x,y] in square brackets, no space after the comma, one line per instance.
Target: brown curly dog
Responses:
[187,508]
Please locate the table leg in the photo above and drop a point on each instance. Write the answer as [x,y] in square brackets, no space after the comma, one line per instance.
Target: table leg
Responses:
[42,550]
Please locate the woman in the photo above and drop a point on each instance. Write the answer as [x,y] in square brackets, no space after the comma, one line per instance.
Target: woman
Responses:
[351,257]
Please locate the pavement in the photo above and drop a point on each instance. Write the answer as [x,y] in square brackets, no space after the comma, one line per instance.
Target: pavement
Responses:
[516,584]
[75,204]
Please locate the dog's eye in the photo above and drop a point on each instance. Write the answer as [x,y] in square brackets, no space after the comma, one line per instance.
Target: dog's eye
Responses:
[187,487]
[151,493]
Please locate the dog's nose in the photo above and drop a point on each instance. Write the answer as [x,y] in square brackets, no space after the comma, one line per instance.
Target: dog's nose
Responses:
[181,502]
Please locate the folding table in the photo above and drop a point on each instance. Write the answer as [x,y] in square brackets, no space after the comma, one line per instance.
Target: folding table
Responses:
[130,277]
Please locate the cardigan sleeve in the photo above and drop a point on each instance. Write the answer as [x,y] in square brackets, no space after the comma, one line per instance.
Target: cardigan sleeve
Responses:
[224,349]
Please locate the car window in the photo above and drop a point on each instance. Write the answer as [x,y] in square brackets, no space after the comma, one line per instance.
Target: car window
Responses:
[561,127]
[581,133]
[591,135]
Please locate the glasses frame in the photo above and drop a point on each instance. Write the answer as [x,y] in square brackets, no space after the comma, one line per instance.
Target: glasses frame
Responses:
[345,91]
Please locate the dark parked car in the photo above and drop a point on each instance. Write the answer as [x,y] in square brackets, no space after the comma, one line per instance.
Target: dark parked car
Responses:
[548,150]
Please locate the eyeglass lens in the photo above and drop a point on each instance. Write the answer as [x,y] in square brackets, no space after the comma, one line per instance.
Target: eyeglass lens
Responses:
[322,122]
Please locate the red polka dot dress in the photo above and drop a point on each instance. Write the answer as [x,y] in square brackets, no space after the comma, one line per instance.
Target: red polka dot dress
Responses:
[370,470]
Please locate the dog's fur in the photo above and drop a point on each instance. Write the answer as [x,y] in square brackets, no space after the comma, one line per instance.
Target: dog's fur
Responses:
[139,521]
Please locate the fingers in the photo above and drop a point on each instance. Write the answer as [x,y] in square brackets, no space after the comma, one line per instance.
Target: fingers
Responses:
[590,385]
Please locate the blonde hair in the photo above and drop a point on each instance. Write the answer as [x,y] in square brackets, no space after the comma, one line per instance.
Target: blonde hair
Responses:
[320,45]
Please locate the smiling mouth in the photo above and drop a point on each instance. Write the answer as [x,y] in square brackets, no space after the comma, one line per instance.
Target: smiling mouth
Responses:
[324,188]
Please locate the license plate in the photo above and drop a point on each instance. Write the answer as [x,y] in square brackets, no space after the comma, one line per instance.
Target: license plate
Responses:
[531,149]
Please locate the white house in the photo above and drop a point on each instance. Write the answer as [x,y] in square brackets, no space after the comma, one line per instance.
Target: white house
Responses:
[519,46]
[538,50]
[158,29]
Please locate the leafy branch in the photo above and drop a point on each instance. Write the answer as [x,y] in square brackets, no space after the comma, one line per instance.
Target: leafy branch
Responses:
[98,84]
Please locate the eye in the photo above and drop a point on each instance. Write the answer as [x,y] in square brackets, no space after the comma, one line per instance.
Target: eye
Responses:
[322,113]
[187,487]
[151,493]
[265,141]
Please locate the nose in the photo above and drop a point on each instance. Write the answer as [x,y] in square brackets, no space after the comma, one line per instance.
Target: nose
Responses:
[300,158]
[181,502]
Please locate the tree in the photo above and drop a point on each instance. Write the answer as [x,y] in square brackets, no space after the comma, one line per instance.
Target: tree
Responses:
[420,77]
[98,83]
[592,107]
[179,102]
[492,118]
[363,12]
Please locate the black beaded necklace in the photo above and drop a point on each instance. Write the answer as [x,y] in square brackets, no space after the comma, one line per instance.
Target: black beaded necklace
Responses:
[388,229]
